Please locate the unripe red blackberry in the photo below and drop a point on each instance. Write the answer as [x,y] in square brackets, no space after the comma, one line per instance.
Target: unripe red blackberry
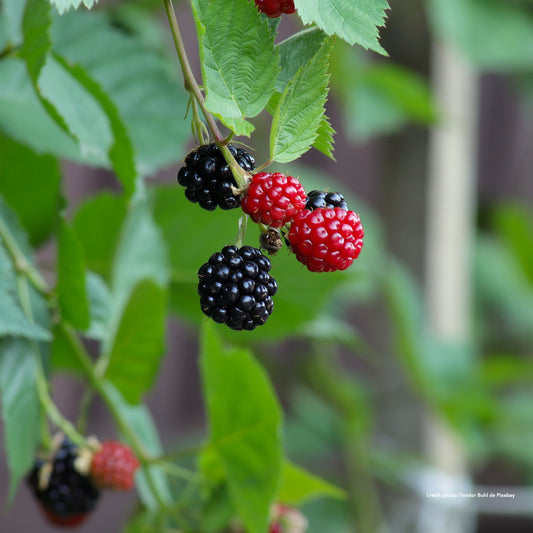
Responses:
[236,289]
[329,200]
[274,8]
[65,495]
[273,199]
[326,239]
[207,177]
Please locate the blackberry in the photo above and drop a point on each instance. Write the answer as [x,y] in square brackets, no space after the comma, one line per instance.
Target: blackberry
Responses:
[236,289]
[207,177]
[329,200]
[65,494]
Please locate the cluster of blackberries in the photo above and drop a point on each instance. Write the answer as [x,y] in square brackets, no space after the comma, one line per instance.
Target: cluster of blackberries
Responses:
[275,8]
[236,288]
[66,496]
[207,178]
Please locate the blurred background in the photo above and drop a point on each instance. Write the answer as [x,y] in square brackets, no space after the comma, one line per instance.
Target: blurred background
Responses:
[411,386]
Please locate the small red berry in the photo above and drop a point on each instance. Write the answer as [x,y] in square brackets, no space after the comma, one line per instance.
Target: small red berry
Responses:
[273,199]
[326,239]
[63,521]
[114,466]
[274,8]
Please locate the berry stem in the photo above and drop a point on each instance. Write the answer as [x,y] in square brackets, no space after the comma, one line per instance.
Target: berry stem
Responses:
[45,400]
[188,76]
[192,87]
[21,264]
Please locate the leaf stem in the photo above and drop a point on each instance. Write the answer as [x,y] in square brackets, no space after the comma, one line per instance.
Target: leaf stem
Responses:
[241,177]
[21,264]
[99,386]
[188,76]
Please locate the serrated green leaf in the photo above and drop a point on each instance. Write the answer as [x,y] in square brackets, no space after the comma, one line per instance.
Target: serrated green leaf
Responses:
[62,354]
[21,409]
[141,83]
[76,106]
[354,21]
[121,153]
[324,140]
[295,52]
[238,58]
[63,6]
[299,486]
[22,170]
[300,110]
[244,435]
[98,223]
[494,34]
[23,117]
[71,283]
[138,343]
[35,27]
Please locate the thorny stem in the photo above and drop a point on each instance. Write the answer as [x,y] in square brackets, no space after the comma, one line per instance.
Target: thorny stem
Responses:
[241,177]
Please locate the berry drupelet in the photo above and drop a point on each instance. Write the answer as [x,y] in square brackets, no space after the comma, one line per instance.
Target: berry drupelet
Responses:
[113,466]
[328,200]
[236,289]
[325,240]
[65,495]
[207,177]
[275,8]
[273,199]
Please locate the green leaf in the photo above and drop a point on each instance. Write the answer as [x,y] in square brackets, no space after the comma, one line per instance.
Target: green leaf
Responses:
[299,486]
[80,111]
[380,98]
[324,140]
[21,409]
[23,117]
[142,83]
[295,52]
[22,170]
[71,283]
[514,224]
[63,6]
[62,354]
[355,22]
[239,61]
[13,12]
[138,343]
[121,153]
[13,321]
[100,306]
[300,110]
[97,224]
[494,34]
[244,435]
[141,254]
[140,420]
[35,27]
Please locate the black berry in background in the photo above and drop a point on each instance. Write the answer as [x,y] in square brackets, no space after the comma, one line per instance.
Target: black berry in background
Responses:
[65,493]
[236,289]
[323,199]
[207,177]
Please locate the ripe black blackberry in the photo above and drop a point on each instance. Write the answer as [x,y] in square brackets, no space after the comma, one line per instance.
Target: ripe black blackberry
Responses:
[207,178]
[236,289]
[66,495]
[329,200]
